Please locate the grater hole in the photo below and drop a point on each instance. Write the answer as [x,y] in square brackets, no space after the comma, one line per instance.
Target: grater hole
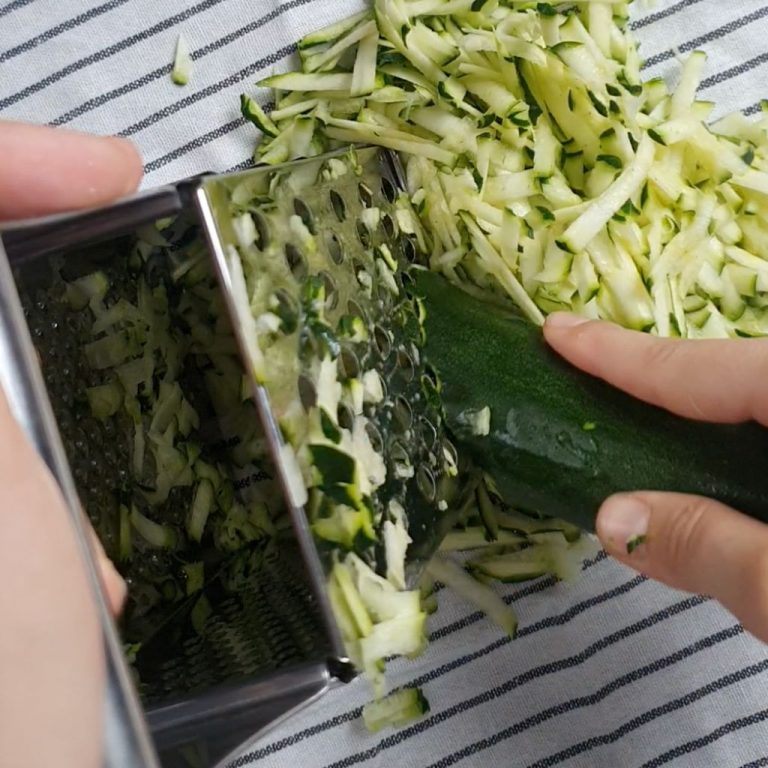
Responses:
[348,365]
[388,189]
[307,393]
[363,235]
[383,384]
[382,341]
[331,291]
[427,432]
[430,376]
[354,309]
[403,413]
[364,279]
[450,454]
[401,459]
[303,212]
[335,248]
[286,308]
[377,441]
[295,261]
[338,205]
[388,225]
[409,250]
[263,237]
[425,482]
[344,416]
[405,365]
[366,194]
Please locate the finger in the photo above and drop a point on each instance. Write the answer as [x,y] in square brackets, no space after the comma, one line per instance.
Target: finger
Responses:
[51,651]
[47,170]
[114,584]
[693,544]
[708,380]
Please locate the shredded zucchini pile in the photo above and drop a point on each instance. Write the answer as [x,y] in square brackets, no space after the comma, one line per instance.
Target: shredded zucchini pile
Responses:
[544,168]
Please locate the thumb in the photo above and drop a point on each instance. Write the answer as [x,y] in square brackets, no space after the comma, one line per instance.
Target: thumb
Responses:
[49,170]
[693,544]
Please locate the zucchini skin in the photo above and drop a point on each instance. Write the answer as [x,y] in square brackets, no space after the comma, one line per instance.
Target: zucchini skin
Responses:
[561,441]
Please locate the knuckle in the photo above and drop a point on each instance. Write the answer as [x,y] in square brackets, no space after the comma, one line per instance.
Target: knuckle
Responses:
[683,535]
[660,355]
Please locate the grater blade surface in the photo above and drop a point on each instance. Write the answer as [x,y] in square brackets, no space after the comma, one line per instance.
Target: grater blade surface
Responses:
[335,220]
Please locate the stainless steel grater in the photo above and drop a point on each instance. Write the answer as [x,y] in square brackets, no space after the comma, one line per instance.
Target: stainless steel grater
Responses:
[272,645]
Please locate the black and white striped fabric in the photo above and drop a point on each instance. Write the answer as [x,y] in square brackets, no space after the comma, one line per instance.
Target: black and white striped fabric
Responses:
[612,672]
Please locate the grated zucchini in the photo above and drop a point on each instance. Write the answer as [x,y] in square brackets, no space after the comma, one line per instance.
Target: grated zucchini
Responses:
[182,62]
[537,114]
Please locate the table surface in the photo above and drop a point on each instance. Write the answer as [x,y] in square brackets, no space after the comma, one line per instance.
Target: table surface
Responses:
[611,672]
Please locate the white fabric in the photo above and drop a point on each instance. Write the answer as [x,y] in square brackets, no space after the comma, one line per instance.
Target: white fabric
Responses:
[604,667]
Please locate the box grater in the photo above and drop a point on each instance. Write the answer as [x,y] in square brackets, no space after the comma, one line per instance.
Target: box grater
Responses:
[271,645]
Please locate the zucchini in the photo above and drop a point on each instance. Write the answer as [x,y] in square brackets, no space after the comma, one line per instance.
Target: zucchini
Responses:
[396,709]
[481,595]
[253,113]
[182,62]
[561,441]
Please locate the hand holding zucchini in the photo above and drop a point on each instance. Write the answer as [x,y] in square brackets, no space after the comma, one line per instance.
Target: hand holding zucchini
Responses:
[561,441]
[688,542]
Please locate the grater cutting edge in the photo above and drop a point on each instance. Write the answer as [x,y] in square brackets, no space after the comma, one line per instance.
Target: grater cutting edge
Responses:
[282,691]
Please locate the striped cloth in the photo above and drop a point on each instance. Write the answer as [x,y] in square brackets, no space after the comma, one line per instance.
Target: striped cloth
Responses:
[613,672]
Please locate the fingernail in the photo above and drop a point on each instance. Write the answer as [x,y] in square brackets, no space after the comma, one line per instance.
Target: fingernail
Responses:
[123,147]
[565,320]
[130,160]
[115,584]
[622,524]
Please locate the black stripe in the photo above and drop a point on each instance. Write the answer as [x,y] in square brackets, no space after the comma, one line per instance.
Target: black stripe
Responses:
[711,738]
[6,9]
[580,702]
[761,763]
[665,14]
[739,69]
[105,53]
[200,141]
[492,694]
[244,166]
[216,133]
[653,714]
[165,70]
[714,34]
[115,93]
[49,34]
[519,680]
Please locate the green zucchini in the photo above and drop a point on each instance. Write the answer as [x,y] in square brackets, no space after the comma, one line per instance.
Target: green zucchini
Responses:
[562,441]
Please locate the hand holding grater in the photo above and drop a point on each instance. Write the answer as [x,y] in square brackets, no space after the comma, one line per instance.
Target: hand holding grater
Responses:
[308,253]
